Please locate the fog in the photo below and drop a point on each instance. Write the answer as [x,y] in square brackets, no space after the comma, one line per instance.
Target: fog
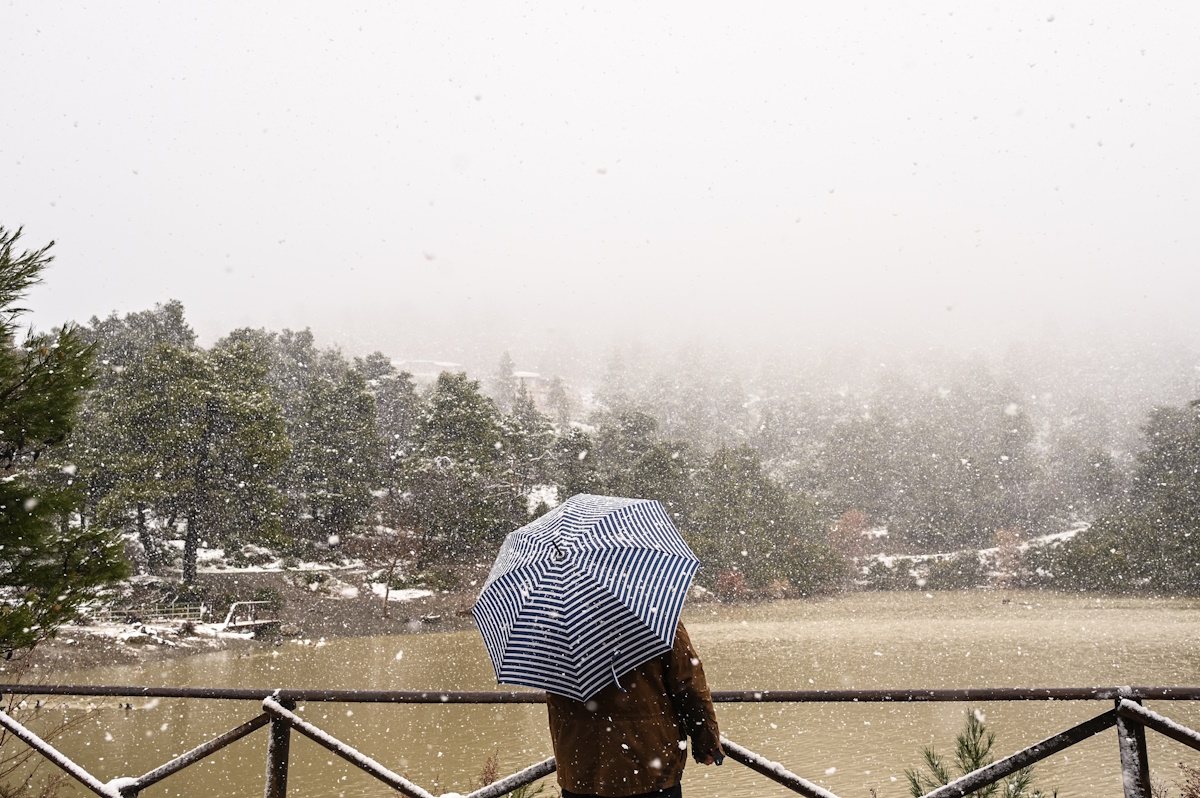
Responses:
[453,181]
[877,304]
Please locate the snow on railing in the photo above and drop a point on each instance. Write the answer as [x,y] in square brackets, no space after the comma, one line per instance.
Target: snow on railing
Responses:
[58,758]
[351,755]
[1127,714]
[250,620]
[773,770]
[194,613]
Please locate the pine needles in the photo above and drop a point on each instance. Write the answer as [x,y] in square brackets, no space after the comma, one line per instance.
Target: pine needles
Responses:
[972,751]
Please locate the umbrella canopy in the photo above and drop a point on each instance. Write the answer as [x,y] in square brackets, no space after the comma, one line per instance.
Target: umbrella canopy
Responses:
[583,594]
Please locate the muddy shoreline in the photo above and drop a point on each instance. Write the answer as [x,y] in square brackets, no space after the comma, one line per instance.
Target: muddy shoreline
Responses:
[305,610]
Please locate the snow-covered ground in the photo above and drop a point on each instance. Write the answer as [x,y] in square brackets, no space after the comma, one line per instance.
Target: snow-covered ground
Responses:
[216,561]
[164,633]
[145,623]
[403,594]
[890,560]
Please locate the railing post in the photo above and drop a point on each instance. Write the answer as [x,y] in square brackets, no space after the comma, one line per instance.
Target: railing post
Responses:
[1135,765]
[277,754]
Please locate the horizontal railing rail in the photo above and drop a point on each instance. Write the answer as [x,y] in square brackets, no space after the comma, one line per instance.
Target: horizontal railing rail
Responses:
[149,614]
[248,614]
[958,695]
[1127,714]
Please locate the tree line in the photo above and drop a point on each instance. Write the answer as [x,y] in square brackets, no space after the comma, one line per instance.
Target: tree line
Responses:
[1148,538]
[266,439]
[125,429]
[954,457]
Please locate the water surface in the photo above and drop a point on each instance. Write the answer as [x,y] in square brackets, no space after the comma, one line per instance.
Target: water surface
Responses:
[871,640]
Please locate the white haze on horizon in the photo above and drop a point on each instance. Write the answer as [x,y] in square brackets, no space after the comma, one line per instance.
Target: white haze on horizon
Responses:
[452,181]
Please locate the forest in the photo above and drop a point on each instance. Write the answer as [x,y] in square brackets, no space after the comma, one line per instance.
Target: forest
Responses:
[789,484]
[266,439]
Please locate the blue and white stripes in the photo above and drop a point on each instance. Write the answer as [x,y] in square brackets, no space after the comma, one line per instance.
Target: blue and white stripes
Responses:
[583,594]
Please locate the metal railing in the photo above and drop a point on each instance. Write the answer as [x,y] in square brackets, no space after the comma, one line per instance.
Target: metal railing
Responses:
[248,617]
[195,613]
[1127,714]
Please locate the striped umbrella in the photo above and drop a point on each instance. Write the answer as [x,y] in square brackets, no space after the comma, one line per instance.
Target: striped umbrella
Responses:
[583,594]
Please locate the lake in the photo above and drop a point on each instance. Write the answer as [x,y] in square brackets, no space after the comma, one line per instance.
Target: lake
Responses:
[862,640]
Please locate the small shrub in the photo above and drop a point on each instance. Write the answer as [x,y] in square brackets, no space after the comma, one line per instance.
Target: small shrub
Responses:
[808,568]
[957,572]
[250,555]
[269,633]
[271,595]
[153,550]
[223,603]
[305,550]
[52,787]
[490,771]
[184,594]
[731,584]
[1190,786]
[972,751]
[881,577]
[779,588]
[440,579]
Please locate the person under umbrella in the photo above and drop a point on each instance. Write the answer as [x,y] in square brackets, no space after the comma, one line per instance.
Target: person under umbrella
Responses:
[584,603]
[629,739]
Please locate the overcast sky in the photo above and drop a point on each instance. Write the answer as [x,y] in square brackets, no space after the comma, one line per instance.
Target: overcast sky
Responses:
[425,177]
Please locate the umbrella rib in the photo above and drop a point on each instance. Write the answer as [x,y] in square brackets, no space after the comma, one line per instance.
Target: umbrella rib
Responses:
[526,598]
[600,586]
[595,584]
[572,633]
[630,547]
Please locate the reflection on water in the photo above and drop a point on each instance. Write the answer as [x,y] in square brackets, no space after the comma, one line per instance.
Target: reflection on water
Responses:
[870,640]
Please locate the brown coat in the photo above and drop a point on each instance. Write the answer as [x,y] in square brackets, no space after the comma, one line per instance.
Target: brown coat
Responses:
[630,741]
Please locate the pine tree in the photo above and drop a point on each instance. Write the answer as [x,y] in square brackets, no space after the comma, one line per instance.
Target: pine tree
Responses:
[374,366]
[527,453]
[397,406]
[121,419]
[747,523]
[50,564]
[616,384]
[329,414]
[576,465]
[972,751]
[120,341]
[559,404]
[237,476]
[334,463]
[193,436]
[460,495]
[137,449]
[460,422]
[1151,540]
[504,384]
